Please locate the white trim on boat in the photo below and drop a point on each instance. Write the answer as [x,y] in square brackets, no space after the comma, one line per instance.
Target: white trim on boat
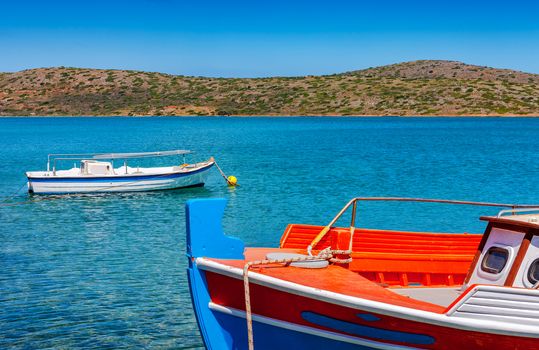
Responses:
[119,179]
[446,320]
[309,330]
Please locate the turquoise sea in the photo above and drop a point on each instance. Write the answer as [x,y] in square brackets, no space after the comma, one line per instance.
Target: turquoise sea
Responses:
[108,271]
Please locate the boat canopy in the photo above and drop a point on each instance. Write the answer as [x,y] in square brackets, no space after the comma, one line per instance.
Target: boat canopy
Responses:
[73,156]
[140,154]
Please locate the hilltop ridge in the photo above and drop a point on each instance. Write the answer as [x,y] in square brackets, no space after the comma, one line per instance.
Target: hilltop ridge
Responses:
[420,88]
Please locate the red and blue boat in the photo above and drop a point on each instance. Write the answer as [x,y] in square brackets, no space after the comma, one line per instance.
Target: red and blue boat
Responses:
[355,288]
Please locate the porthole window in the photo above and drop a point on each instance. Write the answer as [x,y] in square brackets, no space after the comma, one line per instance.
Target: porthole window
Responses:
[495,260]
[533,272]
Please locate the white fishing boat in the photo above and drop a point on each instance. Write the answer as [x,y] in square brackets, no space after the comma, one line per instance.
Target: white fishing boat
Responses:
[96,173]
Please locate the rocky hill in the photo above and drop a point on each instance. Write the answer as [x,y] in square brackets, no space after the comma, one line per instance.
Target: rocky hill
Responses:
[412,88]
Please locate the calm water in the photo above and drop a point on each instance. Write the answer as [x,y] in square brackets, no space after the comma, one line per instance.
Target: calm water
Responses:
[108,271]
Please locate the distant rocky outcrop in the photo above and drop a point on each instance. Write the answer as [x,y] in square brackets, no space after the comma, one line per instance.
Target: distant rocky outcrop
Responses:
[421,88]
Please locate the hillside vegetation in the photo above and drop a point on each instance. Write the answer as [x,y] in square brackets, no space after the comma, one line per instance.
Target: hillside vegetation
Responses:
[413,88]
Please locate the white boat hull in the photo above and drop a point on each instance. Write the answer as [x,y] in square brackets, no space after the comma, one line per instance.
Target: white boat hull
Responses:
[118,183]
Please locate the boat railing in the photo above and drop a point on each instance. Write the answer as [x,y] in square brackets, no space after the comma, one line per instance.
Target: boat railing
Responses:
[520,211]
[54,157]
[353,203]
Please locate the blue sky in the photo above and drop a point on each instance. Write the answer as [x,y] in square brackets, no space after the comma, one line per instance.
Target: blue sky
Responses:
[265,38]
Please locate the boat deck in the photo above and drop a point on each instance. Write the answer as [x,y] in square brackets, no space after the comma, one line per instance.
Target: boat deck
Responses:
[121,171]
[443,296]
[396,258]
[333,278]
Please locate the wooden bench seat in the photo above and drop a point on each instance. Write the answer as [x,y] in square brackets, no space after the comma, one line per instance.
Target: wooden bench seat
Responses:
[395,258]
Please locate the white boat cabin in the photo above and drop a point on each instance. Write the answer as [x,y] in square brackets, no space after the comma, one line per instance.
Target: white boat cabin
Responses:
[94,167]
[508,254]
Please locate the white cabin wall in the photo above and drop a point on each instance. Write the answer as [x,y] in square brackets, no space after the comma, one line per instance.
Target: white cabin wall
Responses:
[507,239]
[521,280]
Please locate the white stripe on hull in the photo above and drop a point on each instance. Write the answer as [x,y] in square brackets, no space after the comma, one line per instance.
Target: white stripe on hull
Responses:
[486,325]
[52,187]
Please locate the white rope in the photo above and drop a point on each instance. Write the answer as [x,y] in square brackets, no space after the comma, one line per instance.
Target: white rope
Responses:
[325,254]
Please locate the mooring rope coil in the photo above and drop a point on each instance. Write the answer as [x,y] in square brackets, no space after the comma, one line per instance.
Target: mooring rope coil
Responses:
[325,254]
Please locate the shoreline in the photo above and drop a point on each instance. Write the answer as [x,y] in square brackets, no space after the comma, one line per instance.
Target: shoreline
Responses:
[275,116]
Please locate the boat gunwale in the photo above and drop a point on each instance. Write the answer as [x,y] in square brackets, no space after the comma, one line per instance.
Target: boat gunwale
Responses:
[115,177]
[443,319]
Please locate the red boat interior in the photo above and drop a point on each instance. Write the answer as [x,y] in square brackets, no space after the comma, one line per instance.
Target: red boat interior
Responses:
[381,259]
[396,258]
[424,271]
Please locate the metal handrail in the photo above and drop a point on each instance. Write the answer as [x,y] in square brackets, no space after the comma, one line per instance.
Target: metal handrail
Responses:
[354,201]
[110,156]
[517,211]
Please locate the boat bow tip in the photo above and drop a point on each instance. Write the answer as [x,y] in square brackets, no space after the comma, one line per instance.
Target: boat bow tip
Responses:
[205,237]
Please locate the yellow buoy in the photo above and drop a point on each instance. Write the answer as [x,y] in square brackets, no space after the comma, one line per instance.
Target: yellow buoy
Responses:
[232,181]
